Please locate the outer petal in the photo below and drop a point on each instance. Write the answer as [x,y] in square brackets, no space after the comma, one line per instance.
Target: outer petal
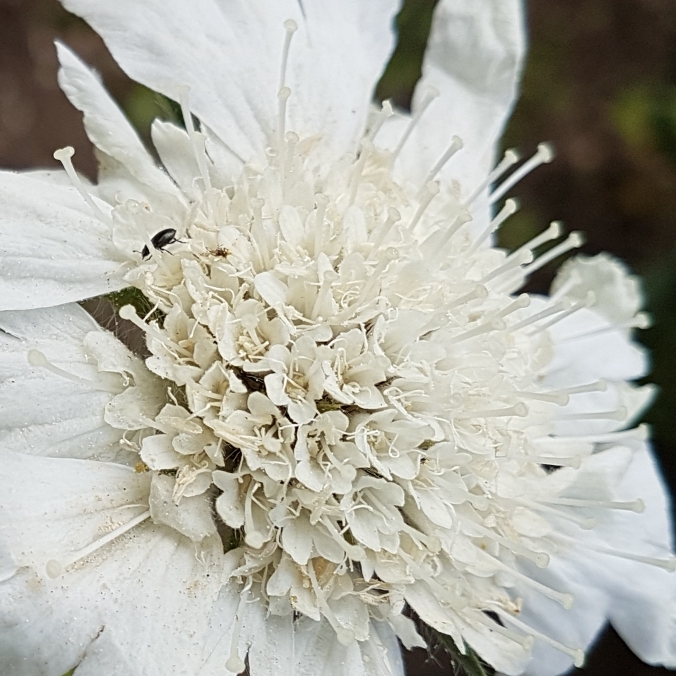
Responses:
[106,125]
[141,611]
[336,58]
[637,598]
[46,414]
[474,58]
[53,507]
[53,250]
[318,651]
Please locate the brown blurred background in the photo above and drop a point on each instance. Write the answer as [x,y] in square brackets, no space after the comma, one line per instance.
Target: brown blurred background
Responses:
[600,84]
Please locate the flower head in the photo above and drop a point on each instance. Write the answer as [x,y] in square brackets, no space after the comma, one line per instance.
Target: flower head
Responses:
[346,409]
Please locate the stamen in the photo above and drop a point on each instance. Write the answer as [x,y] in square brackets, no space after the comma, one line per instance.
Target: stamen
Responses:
[509,209]
[282,98]
[129,312]
[516,260]
[587,302]
[235,663]
[290,26]
[322,202]
[544,155]
[488,327]
[345,636]
[428,193]
[393,217]
[55,568]
[541,559]
[431,94]
[574,241]
[640,321]
[64,156]
[385,113]
[510,158]
[519,409]
[566,600]
[561,306]
[366,150]
[551,233]
[620,415]
[456,144]
[197,139]
[39,360]
[526,642]
[636,506]
[576,653]
[584,522]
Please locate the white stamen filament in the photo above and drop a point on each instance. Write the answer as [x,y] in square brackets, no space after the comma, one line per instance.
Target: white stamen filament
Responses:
[55,568]
[39,360]
[510,158]
[429,96]
[574,241]
[64,156]
[129,312]
[235,663]
[544,155]
[428,193]
[509,209]
[385,114]
[576,653]
[456,145]
[561,306]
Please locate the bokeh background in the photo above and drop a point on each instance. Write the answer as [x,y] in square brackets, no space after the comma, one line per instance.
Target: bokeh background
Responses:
[600,83]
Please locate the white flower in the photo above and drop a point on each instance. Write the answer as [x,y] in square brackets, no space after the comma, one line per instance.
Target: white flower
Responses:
[345,410]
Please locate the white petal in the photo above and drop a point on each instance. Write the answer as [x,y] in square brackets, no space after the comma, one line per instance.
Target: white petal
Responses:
[474,58]
[53,507]
[335,60]
[318,651]
[46,414]
[53,250]
[106,125]
[142,610]
[636,597]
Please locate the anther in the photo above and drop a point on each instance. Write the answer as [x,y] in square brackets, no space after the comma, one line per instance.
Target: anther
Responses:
[456,145]
[544,155]
[573,241]
[64,155]
[510,158]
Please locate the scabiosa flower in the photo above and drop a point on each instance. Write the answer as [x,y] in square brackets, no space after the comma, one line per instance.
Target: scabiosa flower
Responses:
[346,411]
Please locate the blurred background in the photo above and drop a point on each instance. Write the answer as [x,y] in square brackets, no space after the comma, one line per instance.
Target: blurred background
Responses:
[600,83]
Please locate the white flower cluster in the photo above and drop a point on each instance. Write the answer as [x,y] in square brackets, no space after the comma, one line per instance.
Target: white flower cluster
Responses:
[346,408]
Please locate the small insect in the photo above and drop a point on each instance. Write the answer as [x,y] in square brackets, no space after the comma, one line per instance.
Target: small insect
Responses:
[160,241]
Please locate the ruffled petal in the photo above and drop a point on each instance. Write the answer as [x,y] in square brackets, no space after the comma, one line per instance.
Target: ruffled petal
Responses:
[334,63]
[139,608]
[42,413]
[53,249]
[474,58]
[53,507]
[106,125]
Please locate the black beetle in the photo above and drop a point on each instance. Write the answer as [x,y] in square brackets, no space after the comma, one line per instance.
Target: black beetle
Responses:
[161,240]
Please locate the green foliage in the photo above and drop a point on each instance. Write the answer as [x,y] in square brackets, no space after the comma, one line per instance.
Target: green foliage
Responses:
[469,664]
